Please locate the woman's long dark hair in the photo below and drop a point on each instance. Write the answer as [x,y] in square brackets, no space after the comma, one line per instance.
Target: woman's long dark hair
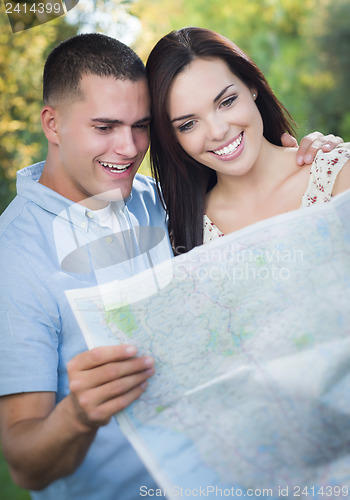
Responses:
[184,181]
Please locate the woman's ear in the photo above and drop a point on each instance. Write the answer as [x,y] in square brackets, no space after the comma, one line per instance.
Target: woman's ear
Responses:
[49,123]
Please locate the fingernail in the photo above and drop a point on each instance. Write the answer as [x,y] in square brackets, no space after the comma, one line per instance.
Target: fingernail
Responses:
[300,160]
[328,146]
[149,361]
[308,158]
[144,385]
[131,350]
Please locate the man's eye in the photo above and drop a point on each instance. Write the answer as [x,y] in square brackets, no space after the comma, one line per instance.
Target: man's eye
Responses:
[186,126]
[104,128]
[142,126]
[226,103]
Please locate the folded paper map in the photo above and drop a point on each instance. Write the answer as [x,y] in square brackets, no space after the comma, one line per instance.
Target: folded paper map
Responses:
[251,338]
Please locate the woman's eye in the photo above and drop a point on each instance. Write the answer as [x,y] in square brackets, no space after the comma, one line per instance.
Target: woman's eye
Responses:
[186,126]
[226,103]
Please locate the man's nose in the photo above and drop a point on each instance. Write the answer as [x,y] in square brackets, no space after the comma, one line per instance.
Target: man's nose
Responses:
[125,143]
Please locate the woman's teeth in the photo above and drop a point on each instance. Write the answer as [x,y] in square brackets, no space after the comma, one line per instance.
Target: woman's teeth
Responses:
[115,168]
[230,148]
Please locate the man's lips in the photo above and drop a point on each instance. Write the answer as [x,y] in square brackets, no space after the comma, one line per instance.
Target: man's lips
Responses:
[115,167]
[229,148]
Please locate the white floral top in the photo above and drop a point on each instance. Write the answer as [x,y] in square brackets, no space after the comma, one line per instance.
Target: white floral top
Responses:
[323,173]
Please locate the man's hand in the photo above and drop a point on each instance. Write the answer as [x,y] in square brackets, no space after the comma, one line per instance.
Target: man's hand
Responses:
[310,144]
[105,380]
[43,441]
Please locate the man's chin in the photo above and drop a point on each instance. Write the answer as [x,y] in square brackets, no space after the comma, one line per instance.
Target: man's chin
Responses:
[101,200]
[117,194]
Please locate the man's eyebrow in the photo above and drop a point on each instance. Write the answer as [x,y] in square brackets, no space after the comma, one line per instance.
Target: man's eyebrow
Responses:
[147,119]
[106,120]
[220,94]
[111,121]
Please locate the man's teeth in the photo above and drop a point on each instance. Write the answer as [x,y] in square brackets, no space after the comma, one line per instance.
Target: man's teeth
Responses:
[230,148]
[115,168]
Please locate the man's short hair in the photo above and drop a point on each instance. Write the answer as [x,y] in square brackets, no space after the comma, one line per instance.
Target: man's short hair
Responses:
[87,54]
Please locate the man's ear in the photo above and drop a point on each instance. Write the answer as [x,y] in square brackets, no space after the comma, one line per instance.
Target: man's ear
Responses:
[49,123]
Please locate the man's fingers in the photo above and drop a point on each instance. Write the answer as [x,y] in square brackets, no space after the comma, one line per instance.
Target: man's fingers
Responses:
[117,388]
[312,143]
[305,148]
[100,356]
[104,380]
[98,404]
[288,141]
[331,142]
[100,375]
[102,414]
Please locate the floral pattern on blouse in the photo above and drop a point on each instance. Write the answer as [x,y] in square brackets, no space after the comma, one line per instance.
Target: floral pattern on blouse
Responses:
[210,231]
[324,171]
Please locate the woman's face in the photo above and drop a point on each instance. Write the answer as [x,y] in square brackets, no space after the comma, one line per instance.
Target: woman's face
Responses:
[215,118]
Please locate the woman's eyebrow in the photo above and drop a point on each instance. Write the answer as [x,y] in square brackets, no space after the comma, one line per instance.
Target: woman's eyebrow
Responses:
[223,91]
[185,117]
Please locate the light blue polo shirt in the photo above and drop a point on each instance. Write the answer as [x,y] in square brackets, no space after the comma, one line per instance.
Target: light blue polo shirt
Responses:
[44,239]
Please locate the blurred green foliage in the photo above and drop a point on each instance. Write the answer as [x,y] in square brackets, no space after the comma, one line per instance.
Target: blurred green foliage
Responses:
[8,491]
[21,63]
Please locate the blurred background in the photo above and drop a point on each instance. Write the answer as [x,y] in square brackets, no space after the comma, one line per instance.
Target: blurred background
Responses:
[302,46]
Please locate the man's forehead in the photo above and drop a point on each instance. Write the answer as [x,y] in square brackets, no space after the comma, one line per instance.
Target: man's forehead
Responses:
[88,81]
[107,99]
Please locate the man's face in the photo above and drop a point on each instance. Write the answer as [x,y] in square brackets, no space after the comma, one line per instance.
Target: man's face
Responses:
[101,139]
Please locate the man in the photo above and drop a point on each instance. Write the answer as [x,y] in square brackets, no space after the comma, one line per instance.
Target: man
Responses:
[57,430]
[96,118]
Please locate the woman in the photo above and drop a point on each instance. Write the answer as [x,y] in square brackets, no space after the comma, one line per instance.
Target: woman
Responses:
[216,141]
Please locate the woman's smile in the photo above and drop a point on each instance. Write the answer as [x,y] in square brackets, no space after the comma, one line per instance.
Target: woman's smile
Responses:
[232,149]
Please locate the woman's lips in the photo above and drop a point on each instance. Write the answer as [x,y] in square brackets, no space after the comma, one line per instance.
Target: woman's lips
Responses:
[231,150]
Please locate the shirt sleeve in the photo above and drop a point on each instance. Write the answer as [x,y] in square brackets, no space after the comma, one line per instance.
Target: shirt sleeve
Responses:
[323,174]
[29,327]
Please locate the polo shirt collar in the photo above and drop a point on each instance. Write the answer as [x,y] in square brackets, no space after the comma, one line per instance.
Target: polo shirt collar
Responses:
[29,188]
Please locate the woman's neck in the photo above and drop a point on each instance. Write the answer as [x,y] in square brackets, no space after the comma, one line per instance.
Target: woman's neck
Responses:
[265,175]
[275,184]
